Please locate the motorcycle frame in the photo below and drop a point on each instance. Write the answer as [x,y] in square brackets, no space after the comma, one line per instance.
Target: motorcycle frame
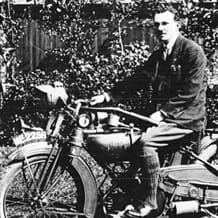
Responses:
[74,158]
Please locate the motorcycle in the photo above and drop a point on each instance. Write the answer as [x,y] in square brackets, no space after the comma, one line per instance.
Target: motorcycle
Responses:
[81,165]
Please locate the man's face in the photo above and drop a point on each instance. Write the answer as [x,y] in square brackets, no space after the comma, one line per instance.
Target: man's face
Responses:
[165,25]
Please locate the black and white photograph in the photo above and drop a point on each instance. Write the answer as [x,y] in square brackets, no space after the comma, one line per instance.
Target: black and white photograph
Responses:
[108,108]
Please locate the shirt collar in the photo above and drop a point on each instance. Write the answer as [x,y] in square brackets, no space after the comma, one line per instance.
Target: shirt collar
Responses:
[170,45]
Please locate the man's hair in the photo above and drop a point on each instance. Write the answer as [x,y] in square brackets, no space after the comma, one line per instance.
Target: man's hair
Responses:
[163,6]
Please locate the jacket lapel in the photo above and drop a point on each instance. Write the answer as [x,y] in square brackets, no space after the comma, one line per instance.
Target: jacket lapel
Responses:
[163,67]
[175,50]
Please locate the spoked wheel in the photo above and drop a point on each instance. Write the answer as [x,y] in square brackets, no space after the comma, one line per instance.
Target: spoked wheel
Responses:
[21,196]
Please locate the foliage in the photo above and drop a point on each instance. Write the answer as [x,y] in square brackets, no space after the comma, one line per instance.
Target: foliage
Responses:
[86,72]
[212,92]
[92,73]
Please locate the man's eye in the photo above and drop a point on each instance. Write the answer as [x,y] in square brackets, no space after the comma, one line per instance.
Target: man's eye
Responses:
[160,24]
[164,23]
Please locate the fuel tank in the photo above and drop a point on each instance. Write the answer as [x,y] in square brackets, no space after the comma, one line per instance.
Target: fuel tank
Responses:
[109,147]
[193,181]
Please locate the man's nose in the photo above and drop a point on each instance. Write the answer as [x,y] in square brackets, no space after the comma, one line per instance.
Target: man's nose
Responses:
[160,27]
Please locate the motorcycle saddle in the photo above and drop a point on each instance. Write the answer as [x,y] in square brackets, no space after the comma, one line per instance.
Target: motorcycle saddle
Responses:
[191,181]
[192,173]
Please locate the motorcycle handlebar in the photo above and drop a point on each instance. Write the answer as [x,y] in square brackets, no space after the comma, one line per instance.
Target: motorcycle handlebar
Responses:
[80,102]
[121,111]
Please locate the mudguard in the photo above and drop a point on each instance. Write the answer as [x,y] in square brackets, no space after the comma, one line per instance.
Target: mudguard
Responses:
[88,180]
[190,181]
[30,149]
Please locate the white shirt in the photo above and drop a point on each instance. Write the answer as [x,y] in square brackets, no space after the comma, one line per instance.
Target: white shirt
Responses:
[170,44]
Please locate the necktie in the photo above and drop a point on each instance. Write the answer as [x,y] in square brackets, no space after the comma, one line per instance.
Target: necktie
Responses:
[165,52]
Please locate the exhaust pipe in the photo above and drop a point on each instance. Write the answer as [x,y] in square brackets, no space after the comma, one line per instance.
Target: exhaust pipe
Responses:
[185,207]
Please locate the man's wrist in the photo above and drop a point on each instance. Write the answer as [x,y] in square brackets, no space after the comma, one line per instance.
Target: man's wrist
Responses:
[107,97]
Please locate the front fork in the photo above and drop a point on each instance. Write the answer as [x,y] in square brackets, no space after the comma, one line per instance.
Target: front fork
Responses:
[61,152]
[50,167]
[68,153]
[53,129]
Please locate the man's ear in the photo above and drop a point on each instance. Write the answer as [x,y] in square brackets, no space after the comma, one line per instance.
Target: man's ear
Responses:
[179,24]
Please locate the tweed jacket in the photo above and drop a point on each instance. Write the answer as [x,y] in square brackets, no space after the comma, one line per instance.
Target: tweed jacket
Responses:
[179,86]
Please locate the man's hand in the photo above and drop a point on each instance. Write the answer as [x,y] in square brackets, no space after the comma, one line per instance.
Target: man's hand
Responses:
[157,116]
[98,99]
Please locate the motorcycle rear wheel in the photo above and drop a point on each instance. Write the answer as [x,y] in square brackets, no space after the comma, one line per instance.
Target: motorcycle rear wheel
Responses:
[20,197]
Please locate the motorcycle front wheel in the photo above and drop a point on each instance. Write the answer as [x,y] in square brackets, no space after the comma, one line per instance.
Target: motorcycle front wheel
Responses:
[20,196]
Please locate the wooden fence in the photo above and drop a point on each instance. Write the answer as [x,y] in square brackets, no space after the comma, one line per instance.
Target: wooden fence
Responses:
[35,42]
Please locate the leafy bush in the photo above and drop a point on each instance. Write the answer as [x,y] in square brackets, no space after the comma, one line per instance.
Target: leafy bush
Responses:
[85,73]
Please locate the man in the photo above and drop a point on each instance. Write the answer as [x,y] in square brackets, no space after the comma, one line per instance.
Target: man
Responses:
[177,71]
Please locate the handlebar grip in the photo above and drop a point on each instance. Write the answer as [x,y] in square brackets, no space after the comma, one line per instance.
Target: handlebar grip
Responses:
[81,101]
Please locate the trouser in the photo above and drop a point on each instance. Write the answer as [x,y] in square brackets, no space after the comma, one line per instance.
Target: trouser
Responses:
[155,137]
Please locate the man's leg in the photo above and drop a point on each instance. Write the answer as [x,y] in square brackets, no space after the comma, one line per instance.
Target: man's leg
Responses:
[151,140]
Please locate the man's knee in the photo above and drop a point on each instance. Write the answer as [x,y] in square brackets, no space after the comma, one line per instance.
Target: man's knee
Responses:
[154,137]
[145,139]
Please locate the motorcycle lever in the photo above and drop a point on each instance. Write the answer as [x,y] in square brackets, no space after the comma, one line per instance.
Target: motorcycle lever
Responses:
[208,165]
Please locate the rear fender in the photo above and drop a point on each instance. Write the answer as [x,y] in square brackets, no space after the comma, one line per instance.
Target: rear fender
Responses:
[86,175]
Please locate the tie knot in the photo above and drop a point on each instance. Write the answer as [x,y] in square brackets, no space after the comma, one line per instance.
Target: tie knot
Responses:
[166,48]
[165,52]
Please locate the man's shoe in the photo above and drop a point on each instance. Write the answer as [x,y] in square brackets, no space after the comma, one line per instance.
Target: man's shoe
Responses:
[114,216]
[140,212]
[121,214]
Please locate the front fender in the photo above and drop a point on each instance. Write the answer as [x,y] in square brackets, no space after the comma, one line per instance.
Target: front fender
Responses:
[89,184]
[86,175]
[30,149]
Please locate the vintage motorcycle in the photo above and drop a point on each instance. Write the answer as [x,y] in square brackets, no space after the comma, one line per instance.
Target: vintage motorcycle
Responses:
[80,165]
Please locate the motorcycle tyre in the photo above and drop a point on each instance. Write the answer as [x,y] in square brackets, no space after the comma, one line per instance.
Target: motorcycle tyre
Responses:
[10,172]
